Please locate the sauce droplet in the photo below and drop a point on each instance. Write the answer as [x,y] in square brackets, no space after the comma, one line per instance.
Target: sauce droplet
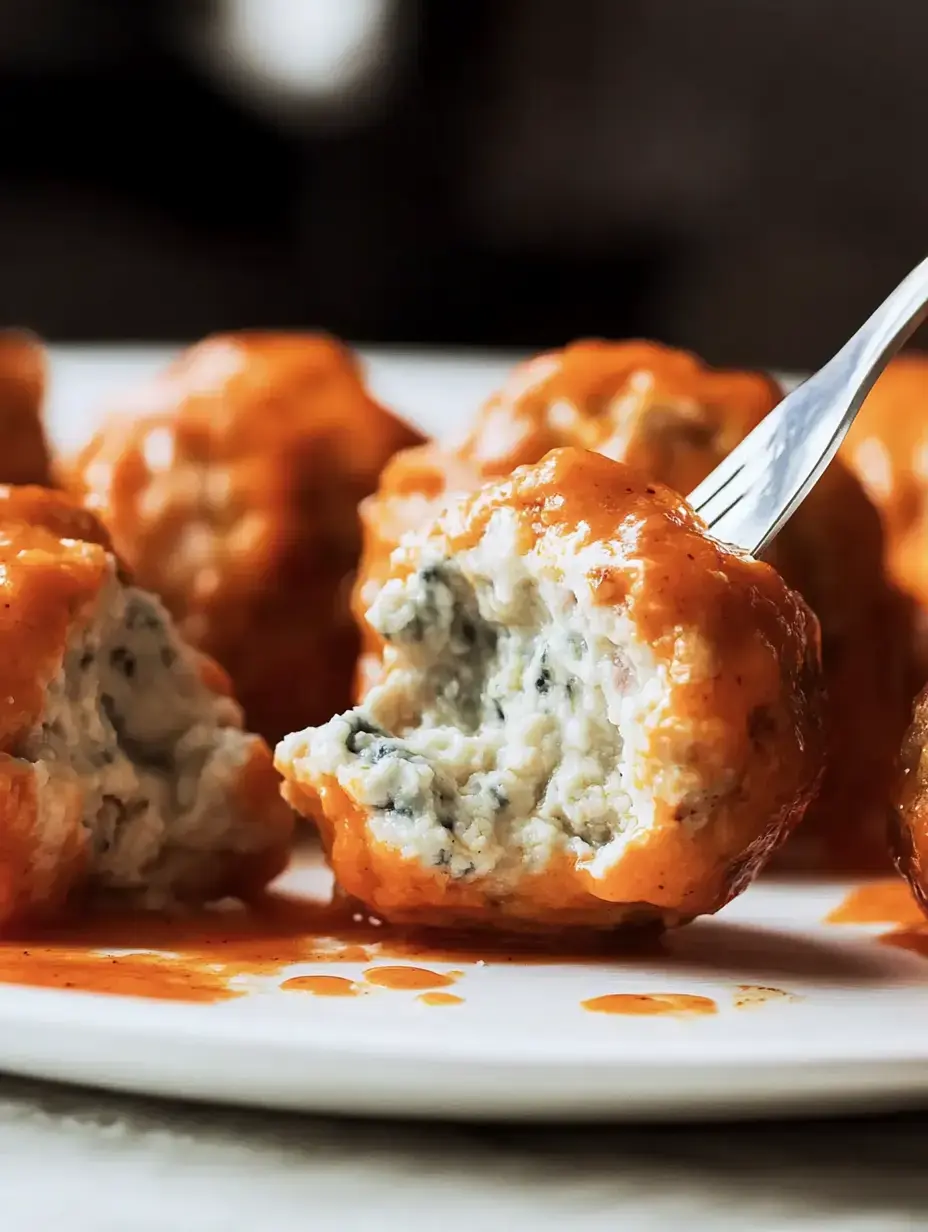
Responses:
[439,998]
[878,902]
[407,978]
[321,985]
[752,996]
[650,1003]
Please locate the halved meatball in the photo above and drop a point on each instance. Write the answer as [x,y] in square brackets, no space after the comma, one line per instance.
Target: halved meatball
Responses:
[230,485]
[123,767]
[590,713]
[673,417]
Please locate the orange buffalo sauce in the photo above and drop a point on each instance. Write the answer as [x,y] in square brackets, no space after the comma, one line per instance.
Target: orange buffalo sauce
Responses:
[439,998]
[650,1003]
[322,985]
[195,957]
[209,955]
[131,975]
[407,978]
[878,902]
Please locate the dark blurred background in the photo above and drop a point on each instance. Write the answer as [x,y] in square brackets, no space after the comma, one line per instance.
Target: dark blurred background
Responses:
[743,178]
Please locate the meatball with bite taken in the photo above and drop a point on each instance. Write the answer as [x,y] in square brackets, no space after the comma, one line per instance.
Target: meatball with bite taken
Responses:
[230,485]
[674,418]
[591,713]
[124,769]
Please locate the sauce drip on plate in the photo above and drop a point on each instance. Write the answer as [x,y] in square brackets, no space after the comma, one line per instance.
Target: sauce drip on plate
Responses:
[878,902]
[211,955]
[440,998]
[132,975]
[322,985]
[407,978]
[197,957]
[650,1003]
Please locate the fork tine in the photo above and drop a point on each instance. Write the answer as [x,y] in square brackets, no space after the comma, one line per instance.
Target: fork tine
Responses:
[748,498]
[748,474]
[728,509]
[733,465]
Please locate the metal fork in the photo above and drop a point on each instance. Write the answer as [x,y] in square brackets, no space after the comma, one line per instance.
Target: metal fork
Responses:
[749,496]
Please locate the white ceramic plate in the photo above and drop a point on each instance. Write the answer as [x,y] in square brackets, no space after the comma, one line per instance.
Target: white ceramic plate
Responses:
[850,1035]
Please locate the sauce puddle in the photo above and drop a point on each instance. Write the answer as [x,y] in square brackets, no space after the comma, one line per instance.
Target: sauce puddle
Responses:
[408,978]
[878,902]
[202,957]
[677,1003]
[129,975]
[439,998]
[182,958]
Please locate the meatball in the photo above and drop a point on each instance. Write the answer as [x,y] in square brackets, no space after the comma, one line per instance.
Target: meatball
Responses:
[591,713]
[910,829]
[230,486]
[887,447]
[675,419]
[24,455]
[652,406]
[124,771]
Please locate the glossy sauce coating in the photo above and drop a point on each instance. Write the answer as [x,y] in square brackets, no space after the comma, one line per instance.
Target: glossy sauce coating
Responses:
[757,722]
[230,485]
[24,453]
[888,448]
[671,416]
[650,1004]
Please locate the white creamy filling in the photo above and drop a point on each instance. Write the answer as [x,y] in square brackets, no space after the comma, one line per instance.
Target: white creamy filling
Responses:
[508,720]
[155,753]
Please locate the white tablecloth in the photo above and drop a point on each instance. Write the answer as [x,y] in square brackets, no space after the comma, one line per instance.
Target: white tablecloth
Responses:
[76,1161]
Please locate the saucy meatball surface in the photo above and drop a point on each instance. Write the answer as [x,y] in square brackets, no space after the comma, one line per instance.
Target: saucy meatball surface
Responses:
[24,453]
[887,448]
[123,767]
[910,830]
[666,413]
[590,713]
[230,486]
